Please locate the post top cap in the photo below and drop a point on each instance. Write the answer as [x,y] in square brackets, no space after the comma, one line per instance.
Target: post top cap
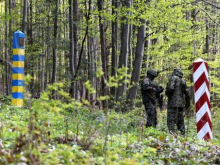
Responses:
[199,60]
[18,31]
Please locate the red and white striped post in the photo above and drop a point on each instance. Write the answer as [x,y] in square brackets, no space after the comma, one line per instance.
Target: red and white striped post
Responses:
[202,99]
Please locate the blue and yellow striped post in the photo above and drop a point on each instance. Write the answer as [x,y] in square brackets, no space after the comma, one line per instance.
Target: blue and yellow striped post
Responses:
[18,69]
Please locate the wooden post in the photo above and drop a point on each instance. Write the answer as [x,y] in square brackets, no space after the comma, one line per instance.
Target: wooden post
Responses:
[18,69]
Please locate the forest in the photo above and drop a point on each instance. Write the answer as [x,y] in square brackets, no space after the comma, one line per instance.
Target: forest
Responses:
[85,61]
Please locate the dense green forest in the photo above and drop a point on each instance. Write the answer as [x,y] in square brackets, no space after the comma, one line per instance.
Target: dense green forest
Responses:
[84,63]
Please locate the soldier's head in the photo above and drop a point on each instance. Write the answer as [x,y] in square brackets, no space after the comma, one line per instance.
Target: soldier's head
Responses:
[178,72]
[151,74]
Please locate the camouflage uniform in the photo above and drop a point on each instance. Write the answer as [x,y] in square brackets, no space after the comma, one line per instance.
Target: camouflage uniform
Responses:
[178,98]
[150,92]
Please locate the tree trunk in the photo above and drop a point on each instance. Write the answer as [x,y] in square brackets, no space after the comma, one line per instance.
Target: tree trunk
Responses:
[71,49]
[147,45]
[115,5]
[92,57]
[207,43]
[75,38]
[10,38]
[54,74]
[137,62]
[130,52]
[207,37]
[6,53]
[24,19]
[215,50]
[103,53]
[43,62]
[123,62]
[47,50]
[30,59]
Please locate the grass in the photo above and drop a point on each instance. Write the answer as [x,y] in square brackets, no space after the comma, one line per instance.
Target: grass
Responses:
[55,132]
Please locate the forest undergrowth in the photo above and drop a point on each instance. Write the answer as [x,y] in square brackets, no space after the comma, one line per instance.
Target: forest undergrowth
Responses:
[67,132]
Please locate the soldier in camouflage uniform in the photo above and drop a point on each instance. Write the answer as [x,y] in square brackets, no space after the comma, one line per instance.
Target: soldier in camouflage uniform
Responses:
[178,99]
[150,92]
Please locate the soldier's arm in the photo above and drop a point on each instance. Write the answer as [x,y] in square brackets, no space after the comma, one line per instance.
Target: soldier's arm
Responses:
[146,85]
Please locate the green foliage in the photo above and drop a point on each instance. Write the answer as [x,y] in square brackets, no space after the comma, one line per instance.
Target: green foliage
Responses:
[89,87]
[66,132]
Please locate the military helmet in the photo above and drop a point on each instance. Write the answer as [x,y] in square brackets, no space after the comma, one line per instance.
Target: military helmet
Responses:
[152,72]
[178,72]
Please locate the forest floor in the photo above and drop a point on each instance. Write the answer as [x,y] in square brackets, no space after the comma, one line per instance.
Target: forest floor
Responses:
[54,132]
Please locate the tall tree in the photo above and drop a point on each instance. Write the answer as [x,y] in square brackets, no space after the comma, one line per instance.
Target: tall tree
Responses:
[43,57]
[71,48]
[103,50]
[6,51]
[48,47]
[75,38]
[30,42]
[24,19]
[207,40]
[123,59]
[137,61]
[92,59]
[115,5]
[54,74]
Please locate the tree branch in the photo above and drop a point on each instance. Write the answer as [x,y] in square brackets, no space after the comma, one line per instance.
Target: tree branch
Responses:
[148,35]
[210,3]
[8,62]
[84,39]
[209,16]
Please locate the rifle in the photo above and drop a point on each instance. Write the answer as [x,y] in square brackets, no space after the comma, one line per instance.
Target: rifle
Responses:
[187,68]
[163,70]
[160,100]
[160,89]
